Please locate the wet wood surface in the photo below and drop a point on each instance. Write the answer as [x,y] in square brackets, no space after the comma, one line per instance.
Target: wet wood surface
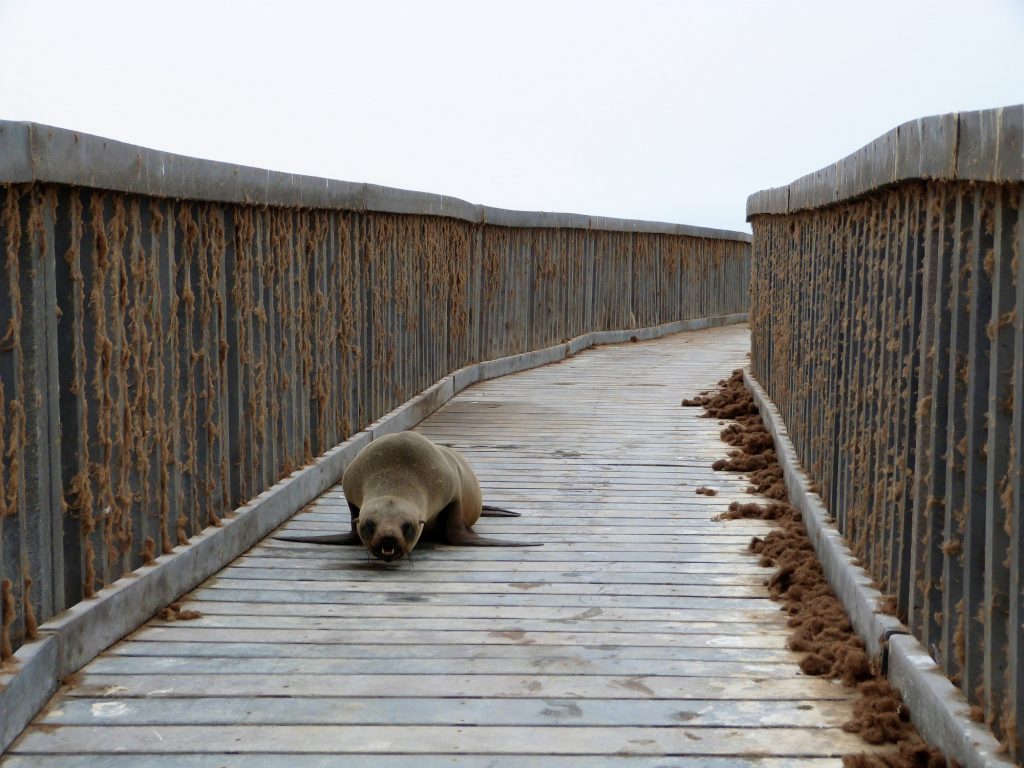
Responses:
[639,635]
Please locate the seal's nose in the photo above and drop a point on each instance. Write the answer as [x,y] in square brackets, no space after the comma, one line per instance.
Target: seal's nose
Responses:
[388,546]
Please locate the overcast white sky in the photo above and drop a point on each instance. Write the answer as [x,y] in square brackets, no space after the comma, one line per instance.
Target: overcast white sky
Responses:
[661,110]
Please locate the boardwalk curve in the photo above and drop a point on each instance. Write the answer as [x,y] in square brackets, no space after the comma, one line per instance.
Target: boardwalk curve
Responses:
[638,636]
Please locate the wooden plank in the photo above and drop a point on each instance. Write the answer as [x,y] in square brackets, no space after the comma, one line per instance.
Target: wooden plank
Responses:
[497,568]
[699,585]
[433,711]
[387,740]
[251,760]
[564,664]
[551,530]
[696,519]
[564,547]
[679,502]
[767,637]
[298,554]
[535,593]
[587,654]
[678,613]
[706,622]
[495,686]
[716,624]
[690,573]
[737,547]
[625,512]
[676,515]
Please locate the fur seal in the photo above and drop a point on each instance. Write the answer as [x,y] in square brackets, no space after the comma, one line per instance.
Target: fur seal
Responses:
[403,488]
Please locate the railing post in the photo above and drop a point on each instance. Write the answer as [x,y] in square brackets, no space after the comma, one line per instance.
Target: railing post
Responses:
[999,468]
[952,577]
[44,320]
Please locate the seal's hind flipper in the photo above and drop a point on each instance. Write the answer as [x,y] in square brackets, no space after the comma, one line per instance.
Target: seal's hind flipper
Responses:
[455,531]
[489,511]
[470,538]
[479,541]
[350,538]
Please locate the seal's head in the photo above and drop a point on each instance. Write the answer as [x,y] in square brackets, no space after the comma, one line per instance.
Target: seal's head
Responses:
[389,527]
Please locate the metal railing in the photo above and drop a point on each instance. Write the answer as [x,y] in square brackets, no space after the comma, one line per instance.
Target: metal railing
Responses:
[887,315]
[178,334]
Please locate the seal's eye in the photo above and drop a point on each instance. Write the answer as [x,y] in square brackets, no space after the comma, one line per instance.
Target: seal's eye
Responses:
[368,528]
[408,531]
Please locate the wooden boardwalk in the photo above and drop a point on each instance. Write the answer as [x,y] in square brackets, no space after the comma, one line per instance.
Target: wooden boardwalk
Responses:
[639,635]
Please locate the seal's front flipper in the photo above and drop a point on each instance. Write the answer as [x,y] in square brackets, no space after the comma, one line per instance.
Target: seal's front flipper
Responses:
[350,538]
[489,511]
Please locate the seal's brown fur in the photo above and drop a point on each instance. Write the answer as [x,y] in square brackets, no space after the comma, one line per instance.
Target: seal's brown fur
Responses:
[403,488]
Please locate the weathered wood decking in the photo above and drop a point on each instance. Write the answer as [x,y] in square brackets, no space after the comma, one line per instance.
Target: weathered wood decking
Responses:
[640,630]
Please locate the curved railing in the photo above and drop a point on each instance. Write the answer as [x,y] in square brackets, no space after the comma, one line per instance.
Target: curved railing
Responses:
[887,315]
[180,334]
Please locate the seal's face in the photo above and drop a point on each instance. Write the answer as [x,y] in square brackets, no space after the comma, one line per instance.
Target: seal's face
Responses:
[389,528]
